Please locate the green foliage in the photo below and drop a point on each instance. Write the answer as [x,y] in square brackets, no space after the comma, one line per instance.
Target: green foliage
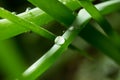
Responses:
[77,24]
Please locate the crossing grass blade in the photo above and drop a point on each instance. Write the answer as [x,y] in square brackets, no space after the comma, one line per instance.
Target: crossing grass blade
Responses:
[54,53]
[26,24]
[8,29]
[96,15]
[71,4]
[55,9]
[34,27]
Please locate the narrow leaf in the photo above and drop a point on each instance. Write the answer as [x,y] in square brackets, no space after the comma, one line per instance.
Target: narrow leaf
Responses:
[96,15]
[26,24]
[55,9]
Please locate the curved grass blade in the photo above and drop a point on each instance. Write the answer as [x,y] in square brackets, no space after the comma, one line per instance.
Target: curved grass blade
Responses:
[8,29]
[47,34]
[26,24]
[50,57]
[71,4]
[55,9]
[96,15]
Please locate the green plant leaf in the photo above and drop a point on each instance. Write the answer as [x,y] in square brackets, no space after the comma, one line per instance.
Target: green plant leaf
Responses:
[50,57]
[55,9]
[71,4]
[26,24]
[96,15]
[8,29]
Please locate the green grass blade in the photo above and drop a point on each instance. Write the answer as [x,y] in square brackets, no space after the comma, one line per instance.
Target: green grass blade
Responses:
[50,57]
[10,59]
[12,18]
[8,29]
[30,25]
[96,15]
[71,4]
[55,9]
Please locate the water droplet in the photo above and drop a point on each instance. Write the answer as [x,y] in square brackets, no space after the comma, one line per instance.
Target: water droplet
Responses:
[28,9]
[71,28]
[59,40]
[14,13]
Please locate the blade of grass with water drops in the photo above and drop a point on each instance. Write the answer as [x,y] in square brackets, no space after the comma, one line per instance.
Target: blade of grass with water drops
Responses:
[96,15]
[55,9]
[49,58]
[26,24]
[37,16]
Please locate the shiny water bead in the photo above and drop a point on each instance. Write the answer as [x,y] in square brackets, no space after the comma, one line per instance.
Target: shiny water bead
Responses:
[59,40]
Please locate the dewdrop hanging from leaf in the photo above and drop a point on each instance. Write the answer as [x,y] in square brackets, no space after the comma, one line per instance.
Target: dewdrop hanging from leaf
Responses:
[59,40]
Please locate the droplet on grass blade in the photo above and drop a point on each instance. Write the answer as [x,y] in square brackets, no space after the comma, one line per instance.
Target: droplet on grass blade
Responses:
[71,28]
[28,9]
[59,40]
[14,13]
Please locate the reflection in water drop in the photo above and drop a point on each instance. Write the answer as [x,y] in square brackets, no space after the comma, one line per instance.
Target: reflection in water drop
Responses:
[59,40]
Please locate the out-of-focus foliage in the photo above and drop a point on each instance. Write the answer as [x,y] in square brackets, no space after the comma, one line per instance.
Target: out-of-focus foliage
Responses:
[71,65]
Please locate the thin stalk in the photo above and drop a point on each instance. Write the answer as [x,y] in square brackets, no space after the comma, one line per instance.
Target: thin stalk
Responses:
[24,23]
[55,8]
[42,64]
[39,17]
[96,15]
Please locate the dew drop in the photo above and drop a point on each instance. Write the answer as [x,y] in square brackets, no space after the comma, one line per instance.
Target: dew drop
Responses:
[71,28]
[28,9]
[14,13]
[59,40]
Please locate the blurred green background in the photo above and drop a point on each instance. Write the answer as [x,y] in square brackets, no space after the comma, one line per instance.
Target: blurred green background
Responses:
[28,47]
